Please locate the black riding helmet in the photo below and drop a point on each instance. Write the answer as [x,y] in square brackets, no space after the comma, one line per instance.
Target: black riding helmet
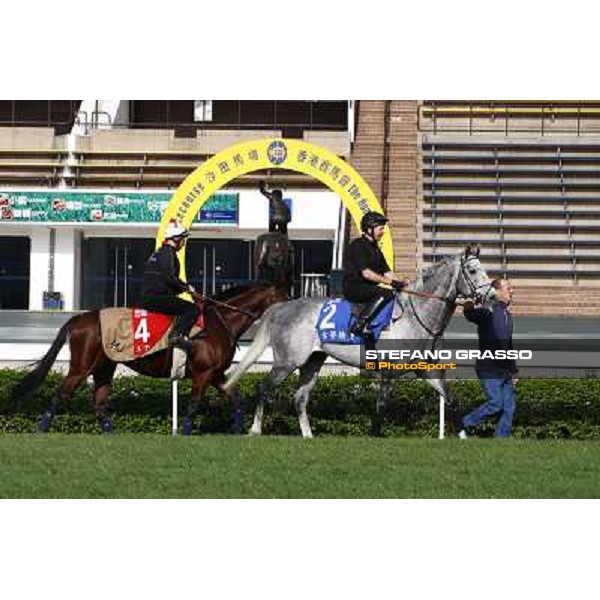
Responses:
[372,219]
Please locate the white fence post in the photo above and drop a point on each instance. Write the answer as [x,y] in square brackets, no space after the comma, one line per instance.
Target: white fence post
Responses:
[442,416]
[175,403]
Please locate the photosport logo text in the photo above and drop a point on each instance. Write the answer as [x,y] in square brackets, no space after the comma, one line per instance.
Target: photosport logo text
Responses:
[398,361]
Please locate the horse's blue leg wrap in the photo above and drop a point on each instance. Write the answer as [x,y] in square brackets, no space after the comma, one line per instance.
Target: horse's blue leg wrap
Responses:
[45,421]
[186,429]
[47,418]
[238,418]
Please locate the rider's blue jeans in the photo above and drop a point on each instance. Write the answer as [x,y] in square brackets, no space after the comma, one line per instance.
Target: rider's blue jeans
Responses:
[500,394]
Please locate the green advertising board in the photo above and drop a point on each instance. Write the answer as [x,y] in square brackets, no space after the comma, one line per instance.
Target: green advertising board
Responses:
[101,207]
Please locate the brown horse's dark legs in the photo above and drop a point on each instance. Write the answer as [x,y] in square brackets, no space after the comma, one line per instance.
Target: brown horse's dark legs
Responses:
[103,377]
[239,409]
[86,356]
[48,416]
[199,383]
[71,382]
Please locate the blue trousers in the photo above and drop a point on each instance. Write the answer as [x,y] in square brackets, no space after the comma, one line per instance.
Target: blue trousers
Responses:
[500,394]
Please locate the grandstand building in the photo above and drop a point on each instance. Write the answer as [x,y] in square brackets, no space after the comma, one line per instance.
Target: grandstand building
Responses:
[82,185]
[521,178]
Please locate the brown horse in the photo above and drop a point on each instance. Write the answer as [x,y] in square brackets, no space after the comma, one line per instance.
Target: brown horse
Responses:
[226,319]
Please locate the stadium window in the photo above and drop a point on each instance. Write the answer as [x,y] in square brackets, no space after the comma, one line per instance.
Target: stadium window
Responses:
[203,110]
[14,272]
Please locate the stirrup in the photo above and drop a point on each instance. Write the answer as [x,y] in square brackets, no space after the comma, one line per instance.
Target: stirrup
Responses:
[359,327]
[181,341]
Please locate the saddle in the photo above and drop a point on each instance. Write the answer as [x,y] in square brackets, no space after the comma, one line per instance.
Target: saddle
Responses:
[130,333]
[337,316]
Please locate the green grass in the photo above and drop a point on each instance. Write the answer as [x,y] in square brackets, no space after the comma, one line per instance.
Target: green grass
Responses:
[159,466]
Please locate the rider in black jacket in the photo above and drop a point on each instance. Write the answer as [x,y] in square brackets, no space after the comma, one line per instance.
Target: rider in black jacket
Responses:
[366,267]
[161,286]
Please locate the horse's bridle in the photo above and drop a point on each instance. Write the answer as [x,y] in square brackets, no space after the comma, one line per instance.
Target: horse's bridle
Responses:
[474,294]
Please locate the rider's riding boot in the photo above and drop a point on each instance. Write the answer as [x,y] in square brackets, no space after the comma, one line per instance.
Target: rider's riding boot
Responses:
[370,311]
[180,341]
[179,335]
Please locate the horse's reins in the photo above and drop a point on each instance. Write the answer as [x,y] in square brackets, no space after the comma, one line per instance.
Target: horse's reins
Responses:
[428,295]
[232,339]
[201,298]
[474,290]
[423,325]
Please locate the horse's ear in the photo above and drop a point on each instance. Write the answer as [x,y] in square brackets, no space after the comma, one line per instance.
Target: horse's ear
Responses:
[472,250]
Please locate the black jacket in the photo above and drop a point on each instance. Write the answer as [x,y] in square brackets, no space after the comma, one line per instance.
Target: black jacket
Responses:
[161,276]
[495,329]
[363,254]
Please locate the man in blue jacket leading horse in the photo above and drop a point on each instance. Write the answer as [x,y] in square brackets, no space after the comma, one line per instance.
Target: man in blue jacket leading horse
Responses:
[495,330]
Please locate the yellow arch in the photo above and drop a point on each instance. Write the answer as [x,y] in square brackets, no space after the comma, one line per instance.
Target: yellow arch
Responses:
[294,155]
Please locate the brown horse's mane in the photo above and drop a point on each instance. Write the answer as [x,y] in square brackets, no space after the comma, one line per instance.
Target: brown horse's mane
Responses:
[239,290]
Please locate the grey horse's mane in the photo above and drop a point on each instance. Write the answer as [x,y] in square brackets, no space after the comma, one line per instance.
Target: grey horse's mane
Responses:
[427,273]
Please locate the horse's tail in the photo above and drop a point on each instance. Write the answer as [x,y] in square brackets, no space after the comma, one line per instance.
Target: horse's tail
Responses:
[260,342]
[34,378]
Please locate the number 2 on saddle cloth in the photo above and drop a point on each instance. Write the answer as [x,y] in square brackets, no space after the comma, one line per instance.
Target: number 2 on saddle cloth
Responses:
[337,315]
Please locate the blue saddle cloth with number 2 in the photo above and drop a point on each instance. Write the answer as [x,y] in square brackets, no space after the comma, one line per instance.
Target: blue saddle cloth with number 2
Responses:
[336,317]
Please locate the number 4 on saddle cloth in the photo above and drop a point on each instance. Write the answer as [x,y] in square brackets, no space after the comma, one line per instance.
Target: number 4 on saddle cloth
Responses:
[130,333]
[337,316]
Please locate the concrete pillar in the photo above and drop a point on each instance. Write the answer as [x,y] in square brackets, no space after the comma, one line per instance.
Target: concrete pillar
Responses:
[65,266]
[38,266]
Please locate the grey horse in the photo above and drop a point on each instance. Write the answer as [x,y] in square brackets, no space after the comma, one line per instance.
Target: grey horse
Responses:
[290,329]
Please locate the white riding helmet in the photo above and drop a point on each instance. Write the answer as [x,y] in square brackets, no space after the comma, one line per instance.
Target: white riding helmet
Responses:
[175,229]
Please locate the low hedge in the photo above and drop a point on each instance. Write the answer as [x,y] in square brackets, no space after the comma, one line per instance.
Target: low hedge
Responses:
[339,405]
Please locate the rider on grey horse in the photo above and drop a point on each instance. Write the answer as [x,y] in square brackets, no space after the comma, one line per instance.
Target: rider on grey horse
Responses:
[366,268]
[290,328]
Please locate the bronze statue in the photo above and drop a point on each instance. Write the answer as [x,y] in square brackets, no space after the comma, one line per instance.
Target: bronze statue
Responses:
[279,213]
[273,251]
